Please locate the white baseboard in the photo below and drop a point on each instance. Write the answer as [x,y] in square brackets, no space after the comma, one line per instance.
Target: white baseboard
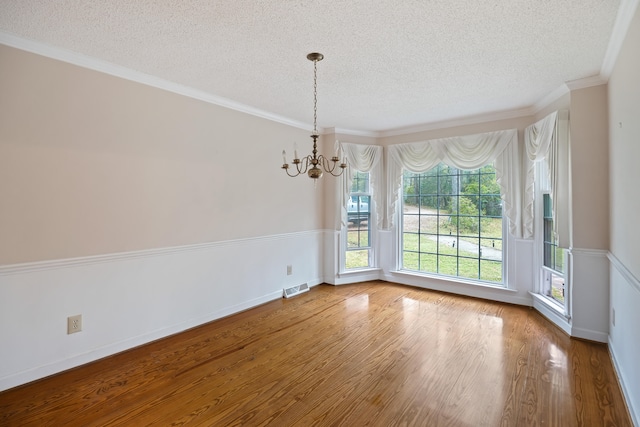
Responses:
[633,412]
[586,334]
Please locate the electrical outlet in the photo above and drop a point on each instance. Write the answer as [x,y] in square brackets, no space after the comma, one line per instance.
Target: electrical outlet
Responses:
[289,270]
[74,324]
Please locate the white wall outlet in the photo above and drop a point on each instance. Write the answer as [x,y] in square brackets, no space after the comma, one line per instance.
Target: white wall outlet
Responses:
[289,270]
[74,324]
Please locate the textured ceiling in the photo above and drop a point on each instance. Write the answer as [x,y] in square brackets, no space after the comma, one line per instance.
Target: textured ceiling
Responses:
[388,64]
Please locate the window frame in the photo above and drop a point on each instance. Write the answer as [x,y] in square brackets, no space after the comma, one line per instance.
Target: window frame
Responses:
[400,267]
[547,274]
[372,231]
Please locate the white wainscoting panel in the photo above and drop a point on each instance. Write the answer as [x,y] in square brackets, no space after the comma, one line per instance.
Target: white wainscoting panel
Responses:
[129,299]
[589,294]
[624,336]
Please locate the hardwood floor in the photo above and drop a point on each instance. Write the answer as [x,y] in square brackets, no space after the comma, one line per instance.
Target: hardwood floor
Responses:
[373,354]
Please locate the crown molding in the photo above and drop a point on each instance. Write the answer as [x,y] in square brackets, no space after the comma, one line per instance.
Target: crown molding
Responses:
[352,132]
[112,69]
[586,82]
[461,121]
[625,15]
[550,98]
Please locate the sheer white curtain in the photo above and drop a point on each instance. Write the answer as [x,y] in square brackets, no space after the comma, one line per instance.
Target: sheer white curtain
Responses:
[548,140]
[463,152]
[364,158]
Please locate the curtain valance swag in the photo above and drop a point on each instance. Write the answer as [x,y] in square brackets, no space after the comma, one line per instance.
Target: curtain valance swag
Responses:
[548,140]
[364,158]
[463,152]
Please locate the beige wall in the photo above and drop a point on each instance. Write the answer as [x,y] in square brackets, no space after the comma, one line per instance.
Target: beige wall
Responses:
[94,164]
[590,167]
[624,110]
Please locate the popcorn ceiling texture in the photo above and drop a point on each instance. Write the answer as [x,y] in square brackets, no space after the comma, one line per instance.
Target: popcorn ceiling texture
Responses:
[388,64]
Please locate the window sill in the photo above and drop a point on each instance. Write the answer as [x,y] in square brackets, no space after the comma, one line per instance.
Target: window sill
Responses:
[552,311]
[450,279]
[550,304]
[356,271]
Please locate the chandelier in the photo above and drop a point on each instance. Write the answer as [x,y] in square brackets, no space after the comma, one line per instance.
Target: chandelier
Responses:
[314,164]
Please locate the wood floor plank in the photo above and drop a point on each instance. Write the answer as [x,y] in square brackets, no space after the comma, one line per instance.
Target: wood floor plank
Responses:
[370,354]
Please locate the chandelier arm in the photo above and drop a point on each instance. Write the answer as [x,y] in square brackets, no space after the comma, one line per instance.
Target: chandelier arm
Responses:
[302,165]
[290,174]
[329,167]
[304,161]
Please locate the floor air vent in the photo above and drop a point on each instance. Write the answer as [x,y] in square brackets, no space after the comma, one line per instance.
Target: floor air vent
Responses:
[295,290]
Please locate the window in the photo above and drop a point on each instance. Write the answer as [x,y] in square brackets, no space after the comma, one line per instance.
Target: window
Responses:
[358,248]
[553,256]
[452,223]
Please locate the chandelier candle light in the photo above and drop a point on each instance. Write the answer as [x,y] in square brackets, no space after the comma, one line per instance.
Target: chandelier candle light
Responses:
[317,162]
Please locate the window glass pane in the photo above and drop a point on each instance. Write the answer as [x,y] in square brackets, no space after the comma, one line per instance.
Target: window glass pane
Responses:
[557,287]
[559,262]
[429,222]
[428,263]
[360,183]
[410,241]
[446,245]
[410,260]
[553,284]
[553,256]
[412,223]
[353,239]
[448,265]
[357,259]
[469,268]
[453,219]
[490,271]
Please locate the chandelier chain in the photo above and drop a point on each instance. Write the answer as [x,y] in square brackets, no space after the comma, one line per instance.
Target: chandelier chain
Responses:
[315,96]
